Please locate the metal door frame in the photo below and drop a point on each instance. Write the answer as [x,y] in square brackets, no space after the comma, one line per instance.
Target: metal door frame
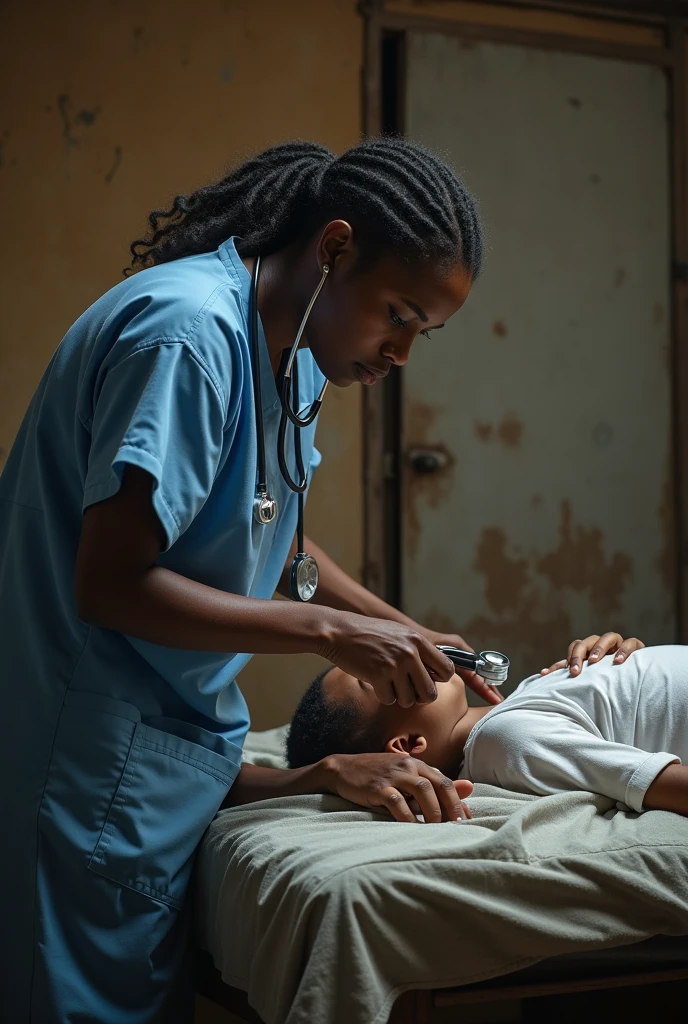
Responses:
[385,19]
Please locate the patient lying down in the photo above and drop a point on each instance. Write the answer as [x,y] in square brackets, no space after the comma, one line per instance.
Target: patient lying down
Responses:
[616,729]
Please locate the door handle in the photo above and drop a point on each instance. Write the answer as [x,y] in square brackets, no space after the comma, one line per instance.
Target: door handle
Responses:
[427,460]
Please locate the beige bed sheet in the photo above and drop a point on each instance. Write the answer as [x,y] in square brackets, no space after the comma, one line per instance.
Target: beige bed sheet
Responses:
[325,913]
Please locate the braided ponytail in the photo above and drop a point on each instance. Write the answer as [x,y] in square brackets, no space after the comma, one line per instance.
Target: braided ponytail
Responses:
[262,201]
[398,197]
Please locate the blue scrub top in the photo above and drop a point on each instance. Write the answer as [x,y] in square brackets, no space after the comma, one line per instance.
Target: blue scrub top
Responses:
[156,374]
[117,753]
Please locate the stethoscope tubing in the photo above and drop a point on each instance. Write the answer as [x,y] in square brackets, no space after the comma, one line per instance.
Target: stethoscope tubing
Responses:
[288,386]
[296,419]
[300,487]
[288,392]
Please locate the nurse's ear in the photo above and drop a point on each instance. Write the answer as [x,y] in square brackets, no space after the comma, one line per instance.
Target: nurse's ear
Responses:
[407,743]
[336,245]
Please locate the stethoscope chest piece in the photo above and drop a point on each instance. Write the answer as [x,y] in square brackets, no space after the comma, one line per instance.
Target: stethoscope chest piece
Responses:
[303,577]
[493,666]
[264,509]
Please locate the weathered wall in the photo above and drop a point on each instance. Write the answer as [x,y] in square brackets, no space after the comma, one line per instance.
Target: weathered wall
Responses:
[111,107]
[553,516]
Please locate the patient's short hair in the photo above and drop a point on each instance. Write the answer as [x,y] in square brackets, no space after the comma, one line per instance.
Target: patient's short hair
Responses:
[321,727]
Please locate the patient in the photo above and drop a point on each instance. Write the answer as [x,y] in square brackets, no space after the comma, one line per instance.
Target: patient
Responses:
[620,730]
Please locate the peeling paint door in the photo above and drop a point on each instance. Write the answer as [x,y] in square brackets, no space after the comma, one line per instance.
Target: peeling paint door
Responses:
[537,480]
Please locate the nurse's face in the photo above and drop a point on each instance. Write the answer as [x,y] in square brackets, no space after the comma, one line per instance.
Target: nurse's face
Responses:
[363,323]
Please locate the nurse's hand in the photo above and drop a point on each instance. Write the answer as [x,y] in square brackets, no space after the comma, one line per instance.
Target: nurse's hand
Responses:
[472,680]
[400,663]
[593,649]
[399,783]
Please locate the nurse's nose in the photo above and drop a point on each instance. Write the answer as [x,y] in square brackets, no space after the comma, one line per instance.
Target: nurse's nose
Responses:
[397,353]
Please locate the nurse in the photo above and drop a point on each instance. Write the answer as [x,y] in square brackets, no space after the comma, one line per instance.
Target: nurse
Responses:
[135,578]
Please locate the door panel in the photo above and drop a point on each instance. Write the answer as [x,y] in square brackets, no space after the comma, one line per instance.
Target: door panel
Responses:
[548,513]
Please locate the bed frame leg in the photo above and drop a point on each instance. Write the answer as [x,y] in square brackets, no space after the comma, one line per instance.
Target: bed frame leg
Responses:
[413,1007]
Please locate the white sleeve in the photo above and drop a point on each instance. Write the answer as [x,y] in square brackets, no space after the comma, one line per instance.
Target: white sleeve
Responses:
[532,751]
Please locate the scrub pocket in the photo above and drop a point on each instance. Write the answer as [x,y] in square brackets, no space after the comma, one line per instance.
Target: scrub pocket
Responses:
[165,792]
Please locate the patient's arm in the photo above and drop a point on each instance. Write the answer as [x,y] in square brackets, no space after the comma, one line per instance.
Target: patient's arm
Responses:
[669,791]
[543,751]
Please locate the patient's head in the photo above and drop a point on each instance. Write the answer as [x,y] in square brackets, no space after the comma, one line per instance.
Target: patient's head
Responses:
[339,714]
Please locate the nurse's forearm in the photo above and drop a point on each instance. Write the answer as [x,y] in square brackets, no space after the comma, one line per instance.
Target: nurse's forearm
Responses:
[164,608]
[256,783]
[119,586]
[336,589]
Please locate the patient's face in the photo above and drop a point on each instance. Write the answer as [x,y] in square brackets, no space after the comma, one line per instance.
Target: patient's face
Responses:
[427,731]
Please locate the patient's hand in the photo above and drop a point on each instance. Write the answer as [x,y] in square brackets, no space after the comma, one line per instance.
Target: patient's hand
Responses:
[593,648]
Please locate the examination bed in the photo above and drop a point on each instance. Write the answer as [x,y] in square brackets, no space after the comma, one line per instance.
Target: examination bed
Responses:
[312,911]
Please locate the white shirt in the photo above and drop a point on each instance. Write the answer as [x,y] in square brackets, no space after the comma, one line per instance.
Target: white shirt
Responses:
[610,730]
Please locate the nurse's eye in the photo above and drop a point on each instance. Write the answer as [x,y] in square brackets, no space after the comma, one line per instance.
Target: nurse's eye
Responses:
[431,329]
[395,318]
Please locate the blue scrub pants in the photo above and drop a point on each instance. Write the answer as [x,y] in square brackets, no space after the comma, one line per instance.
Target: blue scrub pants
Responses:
[105,820]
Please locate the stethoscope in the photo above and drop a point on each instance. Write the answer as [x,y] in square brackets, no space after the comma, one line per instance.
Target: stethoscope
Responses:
[303,575]
[491,665]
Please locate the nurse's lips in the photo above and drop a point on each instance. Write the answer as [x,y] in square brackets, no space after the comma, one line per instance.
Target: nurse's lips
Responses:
[368,374]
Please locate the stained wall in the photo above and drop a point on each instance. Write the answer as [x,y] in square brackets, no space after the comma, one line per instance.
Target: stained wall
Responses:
[551,515]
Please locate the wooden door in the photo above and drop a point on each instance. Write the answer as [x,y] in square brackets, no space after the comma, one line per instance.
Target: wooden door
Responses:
[537,456]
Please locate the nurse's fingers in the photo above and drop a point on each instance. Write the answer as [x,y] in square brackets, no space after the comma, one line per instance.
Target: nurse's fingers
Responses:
[463,788]
[436,663]
[478,685]
[407,785]
[413,684]
[396,804]
[437,795]
[385,690]
[401,689]
[413,681]
[427,798]
[405,689]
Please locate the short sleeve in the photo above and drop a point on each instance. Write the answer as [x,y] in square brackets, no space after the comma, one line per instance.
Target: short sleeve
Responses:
[543,752]
[158,409]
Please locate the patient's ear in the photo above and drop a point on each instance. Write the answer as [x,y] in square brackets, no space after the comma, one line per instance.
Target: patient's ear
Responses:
[407,743]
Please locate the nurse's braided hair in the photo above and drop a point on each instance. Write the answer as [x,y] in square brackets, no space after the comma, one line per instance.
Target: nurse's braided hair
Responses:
[399,197]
